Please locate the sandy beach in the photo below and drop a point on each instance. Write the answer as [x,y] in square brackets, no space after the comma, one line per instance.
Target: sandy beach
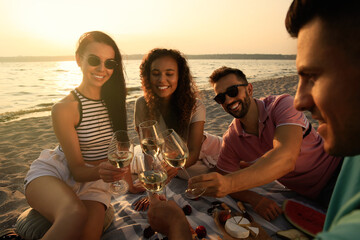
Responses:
[22,141]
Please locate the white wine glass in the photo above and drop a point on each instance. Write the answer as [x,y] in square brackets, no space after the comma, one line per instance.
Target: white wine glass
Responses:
[120,154]
[151,174]
[175,153]
[150,140]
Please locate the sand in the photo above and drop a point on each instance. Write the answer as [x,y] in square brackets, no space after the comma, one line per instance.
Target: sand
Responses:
[22,141]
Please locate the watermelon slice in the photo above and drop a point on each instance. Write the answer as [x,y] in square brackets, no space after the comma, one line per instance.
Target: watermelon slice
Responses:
[305,218]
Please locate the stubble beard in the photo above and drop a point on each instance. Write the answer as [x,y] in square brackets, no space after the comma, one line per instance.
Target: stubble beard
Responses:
[245,105]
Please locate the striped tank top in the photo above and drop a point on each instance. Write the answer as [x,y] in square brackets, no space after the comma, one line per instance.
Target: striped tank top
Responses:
[94,128]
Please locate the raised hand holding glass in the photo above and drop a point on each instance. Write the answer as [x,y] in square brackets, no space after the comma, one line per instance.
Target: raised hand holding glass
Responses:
[120,154]
[175,153]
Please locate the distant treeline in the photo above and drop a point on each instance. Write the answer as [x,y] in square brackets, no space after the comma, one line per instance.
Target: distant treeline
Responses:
[242,56]
[140,56]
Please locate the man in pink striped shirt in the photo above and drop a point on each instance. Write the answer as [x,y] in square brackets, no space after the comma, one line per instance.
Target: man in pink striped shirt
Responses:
[268,140]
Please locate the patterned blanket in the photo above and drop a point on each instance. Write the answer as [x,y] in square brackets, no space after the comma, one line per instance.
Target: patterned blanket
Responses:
[130,224]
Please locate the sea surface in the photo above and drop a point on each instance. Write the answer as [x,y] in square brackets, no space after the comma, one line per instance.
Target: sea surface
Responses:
[29,89]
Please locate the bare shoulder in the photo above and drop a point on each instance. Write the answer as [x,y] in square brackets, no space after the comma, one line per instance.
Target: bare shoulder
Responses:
[66,109]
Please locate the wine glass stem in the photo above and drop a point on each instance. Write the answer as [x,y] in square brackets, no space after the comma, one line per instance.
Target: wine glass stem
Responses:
[186,172]
[188,175]
[118,183]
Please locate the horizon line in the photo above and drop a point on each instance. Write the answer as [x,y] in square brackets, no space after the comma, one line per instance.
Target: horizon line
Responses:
[140,56]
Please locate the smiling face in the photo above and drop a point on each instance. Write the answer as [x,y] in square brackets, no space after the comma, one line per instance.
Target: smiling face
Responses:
[239,105]
[96,76]
[164,76]
[329,87]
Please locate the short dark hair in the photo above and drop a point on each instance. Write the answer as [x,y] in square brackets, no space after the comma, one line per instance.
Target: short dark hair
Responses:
[224,71]
[341,19]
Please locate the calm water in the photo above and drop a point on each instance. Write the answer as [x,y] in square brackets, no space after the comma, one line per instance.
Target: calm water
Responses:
[28,88]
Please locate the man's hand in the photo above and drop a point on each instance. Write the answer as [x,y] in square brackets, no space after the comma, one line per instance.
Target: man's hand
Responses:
[263,206]
[216,184]
[168,218]
[267,208]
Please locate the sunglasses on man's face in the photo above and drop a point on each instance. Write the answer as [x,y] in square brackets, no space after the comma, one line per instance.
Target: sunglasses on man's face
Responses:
[231,91]
[95,61]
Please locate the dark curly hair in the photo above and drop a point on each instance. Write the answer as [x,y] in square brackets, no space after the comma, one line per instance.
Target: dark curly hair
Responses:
[183,100]
[113,92]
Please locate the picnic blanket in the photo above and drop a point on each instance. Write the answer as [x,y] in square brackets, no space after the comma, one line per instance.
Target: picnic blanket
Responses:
[130,224]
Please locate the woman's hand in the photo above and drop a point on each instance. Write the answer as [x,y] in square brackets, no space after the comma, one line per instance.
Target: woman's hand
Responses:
[109,173]
[171,172]
[136,187]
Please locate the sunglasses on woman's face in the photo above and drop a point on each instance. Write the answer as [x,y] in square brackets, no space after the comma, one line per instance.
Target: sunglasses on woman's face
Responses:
[231,91]
[95,61]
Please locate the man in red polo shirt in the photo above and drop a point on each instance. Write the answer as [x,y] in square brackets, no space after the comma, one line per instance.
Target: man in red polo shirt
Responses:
[328,65]
[268,140]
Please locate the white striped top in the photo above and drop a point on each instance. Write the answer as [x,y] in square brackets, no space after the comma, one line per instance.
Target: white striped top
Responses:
[94,128]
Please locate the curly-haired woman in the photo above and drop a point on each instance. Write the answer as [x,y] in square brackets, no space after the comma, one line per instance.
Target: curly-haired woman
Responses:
[170,97]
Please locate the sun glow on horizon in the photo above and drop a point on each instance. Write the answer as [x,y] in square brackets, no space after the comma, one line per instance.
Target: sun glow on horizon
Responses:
[43,27]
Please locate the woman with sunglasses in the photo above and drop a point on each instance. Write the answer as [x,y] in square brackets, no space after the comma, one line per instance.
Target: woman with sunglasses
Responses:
[170,97]
[69,185]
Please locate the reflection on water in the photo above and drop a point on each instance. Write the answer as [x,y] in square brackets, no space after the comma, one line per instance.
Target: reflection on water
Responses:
[29,87]
[67,76]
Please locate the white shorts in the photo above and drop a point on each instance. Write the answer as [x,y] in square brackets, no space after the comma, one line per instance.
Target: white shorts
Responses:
[53,163]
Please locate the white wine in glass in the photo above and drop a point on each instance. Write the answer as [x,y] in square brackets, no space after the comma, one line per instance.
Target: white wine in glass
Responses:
[120,154]
[151,174]
[175,160]
[152,146]
[150,140]
[153,180]
[175,153]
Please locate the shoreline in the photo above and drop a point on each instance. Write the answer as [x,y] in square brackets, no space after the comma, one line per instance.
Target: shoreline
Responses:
[22,141]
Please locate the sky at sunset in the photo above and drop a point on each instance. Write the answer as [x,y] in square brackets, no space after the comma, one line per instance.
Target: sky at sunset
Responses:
[52,28]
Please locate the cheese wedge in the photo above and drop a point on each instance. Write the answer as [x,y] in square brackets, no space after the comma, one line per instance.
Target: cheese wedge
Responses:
[234,230]
[254,230]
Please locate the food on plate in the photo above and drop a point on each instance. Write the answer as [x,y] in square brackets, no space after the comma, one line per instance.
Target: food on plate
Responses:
[200,231]
[148,232]
[305,218]
[233,227]
[254,231]
[224,216]
[187,209]
[292,234]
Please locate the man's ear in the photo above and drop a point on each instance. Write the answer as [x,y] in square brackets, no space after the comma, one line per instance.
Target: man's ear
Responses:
[213,85]
[250,89]
[78,60]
